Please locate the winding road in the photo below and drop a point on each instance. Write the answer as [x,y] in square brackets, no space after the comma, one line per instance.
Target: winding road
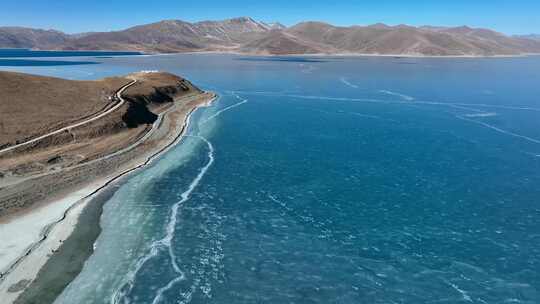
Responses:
[120,102]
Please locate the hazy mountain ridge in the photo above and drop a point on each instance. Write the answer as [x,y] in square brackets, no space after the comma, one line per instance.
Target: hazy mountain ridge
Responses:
[408,40]
[20,37]
[275,25]
[245,35]
[530,36]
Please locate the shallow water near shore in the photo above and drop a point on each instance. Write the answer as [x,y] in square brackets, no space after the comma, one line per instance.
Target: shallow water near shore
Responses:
[330,180]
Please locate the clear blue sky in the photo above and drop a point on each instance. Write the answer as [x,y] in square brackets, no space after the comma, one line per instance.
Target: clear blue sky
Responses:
[511,17]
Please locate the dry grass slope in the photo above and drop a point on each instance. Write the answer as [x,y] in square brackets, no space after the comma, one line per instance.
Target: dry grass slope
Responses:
[33,105]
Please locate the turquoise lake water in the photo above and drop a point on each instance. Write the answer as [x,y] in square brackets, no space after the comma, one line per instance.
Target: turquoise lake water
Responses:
[330,180]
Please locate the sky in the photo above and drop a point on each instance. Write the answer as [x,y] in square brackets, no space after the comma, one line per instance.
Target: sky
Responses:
[74,16]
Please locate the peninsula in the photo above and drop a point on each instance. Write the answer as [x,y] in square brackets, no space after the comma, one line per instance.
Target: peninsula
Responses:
[62,142]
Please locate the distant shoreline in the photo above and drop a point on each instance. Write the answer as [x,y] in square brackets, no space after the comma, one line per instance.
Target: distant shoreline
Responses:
[139,53]
[340,55]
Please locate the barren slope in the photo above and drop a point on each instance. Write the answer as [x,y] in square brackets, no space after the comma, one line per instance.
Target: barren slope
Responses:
[32,105]
[281,43]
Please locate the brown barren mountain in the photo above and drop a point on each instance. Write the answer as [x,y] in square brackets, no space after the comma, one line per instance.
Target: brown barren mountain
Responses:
[174,36]
[20,37]
[407,40]
[245,35]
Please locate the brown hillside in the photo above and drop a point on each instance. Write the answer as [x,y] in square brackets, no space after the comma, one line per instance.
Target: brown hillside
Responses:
[246,35]
[32,105]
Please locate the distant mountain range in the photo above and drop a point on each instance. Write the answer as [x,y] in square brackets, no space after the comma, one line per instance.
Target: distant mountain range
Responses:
[531,36]
[245,35]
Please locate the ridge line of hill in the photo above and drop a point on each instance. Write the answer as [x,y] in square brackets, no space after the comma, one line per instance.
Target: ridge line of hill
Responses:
[248,36]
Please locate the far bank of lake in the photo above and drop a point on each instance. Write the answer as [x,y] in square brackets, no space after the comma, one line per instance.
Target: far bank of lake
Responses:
[361,179]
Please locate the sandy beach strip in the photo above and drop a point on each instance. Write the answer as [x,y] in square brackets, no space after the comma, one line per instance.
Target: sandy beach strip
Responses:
[31,239]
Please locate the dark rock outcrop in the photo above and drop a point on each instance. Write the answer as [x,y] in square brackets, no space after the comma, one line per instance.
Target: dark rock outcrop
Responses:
[138,114]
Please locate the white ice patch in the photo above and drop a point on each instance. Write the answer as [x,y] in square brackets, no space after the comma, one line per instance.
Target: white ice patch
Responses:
[347,83]
[372,100]
[366,115]
[360,115]
[497,129]
[243,101]
[462,292]
[402,96]
[486,114]
[166,242]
